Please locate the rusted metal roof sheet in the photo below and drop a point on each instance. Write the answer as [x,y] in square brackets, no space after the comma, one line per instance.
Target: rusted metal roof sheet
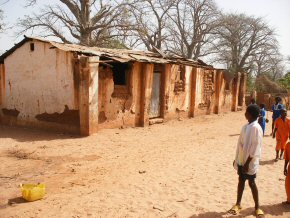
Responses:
[120,55]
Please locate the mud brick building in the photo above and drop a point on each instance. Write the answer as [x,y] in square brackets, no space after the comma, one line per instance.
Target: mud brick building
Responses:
[77,89]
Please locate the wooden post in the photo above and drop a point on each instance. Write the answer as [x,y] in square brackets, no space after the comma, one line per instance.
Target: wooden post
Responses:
[88,95]
[93,94]
[146,93]
[218,83]
[235,91]
[212,100]
[193,92]
[84,96]
[242,90]
[165,90]
[136,90]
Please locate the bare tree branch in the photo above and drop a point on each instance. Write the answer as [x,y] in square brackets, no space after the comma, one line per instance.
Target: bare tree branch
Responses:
[244,43]
[148,21]
[75,20]
[1,21]
[192,23]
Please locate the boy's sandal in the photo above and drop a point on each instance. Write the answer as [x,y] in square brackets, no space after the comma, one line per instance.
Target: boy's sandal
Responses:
[259,213]
[276,159]
[235,210]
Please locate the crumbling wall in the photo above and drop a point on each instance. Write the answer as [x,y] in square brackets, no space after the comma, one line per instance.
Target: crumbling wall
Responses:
[236,83]
[205,89]
[38,83]
[119,106]
[226,96]
[178,101]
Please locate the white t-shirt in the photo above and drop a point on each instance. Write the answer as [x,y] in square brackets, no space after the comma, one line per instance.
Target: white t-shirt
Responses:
[249,144]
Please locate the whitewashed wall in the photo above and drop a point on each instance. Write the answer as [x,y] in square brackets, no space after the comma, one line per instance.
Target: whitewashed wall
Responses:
[188,81]
[39,81]
[199,86]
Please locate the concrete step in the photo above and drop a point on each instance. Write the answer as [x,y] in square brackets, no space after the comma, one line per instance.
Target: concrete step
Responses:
[155,121]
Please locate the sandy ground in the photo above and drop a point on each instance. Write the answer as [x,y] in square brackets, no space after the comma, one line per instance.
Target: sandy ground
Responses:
[177,169]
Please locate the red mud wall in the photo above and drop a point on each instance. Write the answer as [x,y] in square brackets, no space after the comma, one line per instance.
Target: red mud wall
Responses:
[119,106]
[269,99]
[122,106]
[205,89]
[178,92]
[226,96]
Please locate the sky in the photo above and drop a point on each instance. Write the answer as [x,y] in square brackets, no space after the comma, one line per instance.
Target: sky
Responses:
[275,12]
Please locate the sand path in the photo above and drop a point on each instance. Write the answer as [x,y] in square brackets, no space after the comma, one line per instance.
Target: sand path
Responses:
[177,169]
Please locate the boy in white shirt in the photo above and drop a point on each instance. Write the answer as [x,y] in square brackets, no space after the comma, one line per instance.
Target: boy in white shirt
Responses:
[247,158]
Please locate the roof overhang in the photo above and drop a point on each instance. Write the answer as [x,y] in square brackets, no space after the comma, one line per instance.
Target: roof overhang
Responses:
[120,55]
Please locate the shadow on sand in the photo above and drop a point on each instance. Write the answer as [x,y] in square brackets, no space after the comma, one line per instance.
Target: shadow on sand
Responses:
[232,135]
[273,210]
[29,135]
[18,200]
[267,162]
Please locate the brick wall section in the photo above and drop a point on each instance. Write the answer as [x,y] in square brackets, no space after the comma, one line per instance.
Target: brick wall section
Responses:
[208,89]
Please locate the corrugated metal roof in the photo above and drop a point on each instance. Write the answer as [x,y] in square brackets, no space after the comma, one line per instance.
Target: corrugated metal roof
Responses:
[120,55]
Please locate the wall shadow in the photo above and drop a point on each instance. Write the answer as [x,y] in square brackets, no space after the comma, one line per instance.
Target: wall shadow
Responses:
[29,135]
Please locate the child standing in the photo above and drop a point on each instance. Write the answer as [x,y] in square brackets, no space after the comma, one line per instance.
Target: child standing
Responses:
[247,159]
[286,172]
[262,118]
[281,131]
[276,109]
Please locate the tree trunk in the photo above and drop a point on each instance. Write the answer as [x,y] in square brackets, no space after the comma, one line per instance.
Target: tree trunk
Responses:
[86,22]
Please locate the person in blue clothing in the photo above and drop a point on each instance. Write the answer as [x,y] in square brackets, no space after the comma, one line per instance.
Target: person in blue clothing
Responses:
[262,117]
[276,109]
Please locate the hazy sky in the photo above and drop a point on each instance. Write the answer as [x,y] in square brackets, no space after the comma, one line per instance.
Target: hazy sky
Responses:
[276,12]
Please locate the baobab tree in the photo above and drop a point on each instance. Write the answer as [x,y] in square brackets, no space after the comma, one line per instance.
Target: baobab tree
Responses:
[268,61]
[1,18]
[88,22]
[2,24]
[148,22]
[191,26]
[240,39]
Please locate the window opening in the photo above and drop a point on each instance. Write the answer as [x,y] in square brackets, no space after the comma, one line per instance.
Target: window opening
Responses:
[32,46]
[120,73]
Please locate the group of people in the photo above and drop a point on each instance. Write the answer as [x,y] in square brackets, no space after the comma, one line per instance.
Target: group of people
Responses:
[249,146]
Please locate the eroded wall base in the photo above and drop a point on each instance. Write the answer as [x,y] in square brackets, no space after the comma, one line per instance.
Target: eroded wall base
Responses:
[12,120]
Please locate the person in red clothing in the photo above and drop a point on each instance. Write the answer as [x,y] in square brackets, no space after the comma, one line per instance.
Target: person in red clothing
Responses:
[281,131]
[286,172]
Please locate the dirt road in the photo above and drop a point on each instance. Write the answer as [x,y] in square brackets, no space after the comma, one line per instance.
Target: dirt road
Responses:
[177,169]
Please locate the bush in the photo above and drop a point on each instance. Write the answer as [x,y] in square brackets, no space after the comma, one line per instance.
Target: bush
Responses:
[285,82]
[264,84]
